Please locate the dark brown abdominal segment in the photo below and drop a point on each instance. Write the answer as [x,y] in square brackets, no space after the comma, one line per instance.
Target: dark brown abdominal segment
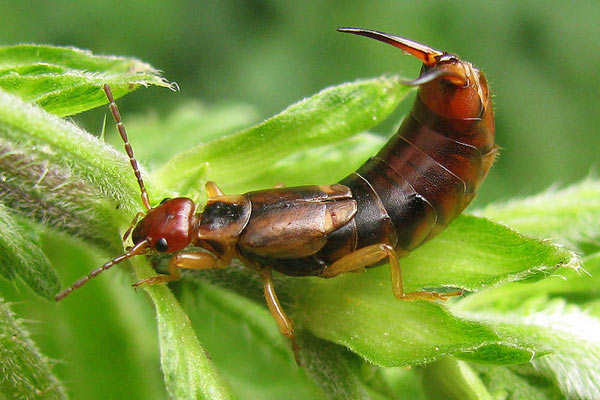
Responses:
[412,216]
[442,189]
[412,189]
[478,132]
[372,220]
[462,160]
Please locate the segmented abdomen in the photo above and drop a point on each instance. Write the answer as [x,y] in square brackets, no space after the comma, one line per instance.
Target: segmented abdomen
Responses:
[423,177]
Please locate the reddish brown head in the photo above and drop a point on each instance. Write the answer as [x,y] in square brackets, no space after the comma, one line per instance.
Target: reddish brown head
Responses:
[167,228]
[448,86]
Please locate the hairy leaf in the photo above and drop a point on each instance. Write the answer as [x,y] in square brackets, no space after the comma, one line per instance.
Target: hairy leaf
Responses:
[151,134]
[577,285]
[66,80]
[475,253]
[188,371]
[323,164]
[331,115]
[450,378]
[517,382]
[570,214]
[25,373]
[58,175]
[21,254]
[568,336]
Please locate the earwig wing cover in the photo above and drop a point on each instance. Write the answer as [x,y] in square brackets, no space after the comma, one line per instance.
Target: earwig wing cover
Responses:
[296,227]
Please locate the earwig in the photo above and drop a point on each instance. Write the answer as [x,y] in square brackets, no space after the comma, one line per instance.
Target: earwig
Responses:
[425,175]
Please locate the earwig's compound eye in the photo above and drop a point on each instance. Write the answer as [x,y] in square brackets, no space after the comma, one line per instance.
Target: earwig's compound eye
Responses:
[161,245]
[163,201]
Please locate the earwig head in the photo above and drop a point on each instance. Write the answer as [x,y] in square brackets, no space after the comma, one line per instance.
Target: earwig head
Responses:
[167,227]
[448,86]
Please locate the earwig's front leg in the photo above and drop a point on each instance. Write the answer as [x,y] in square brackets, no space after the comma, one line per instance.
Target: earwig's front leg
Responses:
[195,260]
[133,224]
[285,324]
[371,255]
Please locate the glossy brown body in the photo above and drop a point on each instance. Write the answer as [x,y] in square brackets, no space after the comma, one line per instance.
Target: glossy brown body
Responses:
[425,175]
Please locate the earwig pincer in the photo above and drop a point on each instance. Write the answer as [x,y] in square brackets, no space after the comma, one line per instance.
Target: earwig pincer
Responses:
[425,175]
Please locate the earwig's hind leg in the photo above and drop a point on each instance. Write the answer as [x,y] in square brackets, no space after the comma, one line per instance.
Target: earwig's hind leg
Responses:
[370,255]
[286,326]
[359,259]
[212,190]
[195,260]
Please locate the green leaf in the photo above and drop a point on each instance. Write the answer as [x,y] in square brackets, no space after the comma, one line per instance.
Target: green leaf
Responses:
[331,115]
[450,378]
[66,80]
[188,371]
[21,254]
[25,373]
[577,285]
[359,310]
[568,336]
[517,382]
[334,369]
[220,316]
[474,253]
[324,164]
[571,214]
[361,313]
[151,134]
[56,174]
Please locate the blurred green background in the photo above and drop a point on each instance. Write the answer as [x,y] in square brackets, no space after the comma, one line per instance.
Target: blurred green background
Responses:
[540,57]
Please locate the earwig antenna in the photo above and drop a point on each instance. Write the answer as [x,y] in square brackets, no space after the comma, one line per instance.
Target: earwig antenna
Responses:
[424,53]
[135,250]
[117,116]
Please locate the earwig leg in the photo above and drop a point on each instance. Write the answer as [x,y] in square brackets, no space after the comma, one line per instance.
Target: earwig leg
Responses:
[133,224]
[359,259]
[371,255]
[285,324]
[398,286]
[196,260]
[212,190]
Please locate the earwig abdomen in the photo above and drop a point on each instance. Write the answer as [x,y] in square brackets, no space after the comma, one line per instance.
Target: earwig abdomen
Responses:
[425,175]
[429,171]
[422,178]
